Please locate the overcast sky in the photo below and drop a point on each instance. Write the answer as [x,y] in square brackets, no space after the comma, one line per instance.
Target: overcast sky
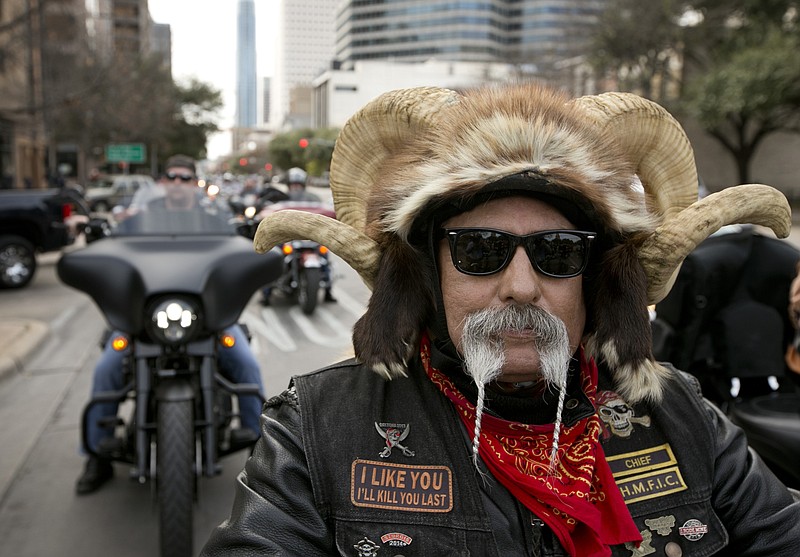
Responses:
[204,46]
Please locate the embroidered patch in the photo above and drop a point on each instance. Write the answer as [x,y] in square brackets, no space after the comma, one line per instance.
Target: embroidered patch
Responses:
[396,539]
[662,525]
[401,487]
[618,417]
[367,548]
[693,530]
[393,434]
[651,485]
[644,548]
[641,461]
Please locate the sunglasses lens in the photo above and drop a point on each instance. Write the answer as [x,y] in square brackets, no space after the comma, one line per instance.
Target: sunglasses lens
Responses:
[554,253]
[559,254]
[181,177]
[481,252]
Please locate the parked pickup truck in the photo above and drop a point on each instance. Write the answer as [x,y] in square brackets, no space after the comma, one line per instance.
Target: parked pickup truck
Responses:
[35,221]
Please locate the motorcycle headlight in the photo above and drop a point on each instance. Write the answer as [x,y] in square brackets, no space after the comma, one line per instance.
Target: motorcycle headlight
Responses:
[173,321]
[250,212]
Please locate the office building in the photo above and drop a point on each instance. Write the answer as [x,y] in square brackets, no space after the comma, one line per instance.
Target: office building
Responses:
[246,87]
[533,34]
[305,48]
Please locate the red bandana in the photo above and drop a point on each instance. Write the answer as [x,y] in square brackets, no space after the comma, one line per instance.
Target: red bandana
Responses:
[581,502]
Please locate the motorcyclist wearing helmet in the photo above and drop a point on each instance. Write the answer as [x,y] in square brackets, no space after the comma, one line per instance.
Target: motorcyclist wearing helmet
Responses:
[296,181]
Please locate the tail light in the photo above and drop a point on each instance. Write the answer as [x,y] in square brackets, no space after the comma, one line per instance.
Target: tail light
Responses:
[66,210]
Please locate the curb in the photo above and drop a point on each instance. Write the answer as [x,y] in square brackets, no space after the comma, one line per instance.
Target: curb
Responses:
[18,340]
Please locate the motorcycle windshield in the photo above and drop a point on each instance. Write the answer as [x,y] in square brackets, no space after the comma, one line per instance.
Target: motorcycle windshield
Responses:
[173,211]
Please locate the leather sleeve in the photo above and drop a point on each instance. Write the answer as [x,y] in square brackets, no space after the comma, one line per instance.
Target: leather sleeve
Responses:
[759,512]
[274,512]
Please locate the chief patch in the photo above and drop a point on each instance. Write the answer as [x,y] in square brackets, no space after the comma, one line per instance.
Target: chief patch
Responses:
[646,474]
[401,487]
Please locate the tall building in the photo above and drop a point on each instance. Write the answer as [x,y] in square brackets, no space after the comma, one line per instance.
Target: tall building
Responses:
[246,86]
[266,100]
[537,34]
[305,48]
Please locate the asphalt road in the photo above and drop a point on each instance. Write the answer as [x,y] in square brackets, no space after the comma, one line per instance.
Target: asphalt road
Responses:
[41,405]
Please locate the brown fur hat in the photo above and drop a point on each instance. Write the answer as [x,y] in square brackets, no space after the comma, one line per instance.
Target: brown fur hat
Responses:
[412,155]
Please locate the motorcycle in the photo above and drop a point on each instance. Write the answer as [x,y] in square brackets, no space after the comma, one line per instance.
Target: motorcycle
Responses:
[172,283]
[726,321]
[307,267]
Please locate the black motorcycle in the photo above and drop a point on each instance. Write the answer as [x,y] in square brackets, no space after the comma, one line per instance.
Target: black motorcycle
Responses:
[726,321]
[306,264]
[172,282]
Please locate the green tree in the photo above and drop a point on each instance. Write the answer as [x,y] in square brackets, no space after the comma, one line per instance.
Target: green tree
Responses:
[740,67]
[749,95]
[194,118]
[636,42]
[286,151]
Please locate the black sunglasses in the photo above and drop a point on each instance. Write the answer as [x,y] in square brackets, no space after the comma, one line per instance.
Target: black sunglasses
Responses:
[555,253]
[182,177]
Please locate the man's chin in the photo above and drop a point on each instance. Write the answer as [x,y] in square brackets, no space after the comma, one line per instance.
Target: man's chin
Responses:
[521,365]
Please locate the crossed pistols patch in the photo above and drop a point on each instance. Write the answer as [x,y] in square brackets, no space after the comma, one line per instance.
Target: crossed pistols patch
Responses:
[401,487]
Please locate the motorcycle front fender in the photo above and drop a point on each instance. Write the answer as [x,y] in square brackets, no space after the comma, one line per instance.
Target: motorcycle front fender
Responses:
[174,390]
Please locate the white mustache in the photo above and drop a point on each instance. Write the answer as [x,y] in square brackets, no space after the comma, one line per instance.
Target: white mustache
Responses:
[482,340]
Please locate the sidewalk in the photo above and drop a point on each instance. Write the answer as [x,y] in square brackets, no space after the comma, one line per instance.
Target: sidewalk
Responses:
[18,339]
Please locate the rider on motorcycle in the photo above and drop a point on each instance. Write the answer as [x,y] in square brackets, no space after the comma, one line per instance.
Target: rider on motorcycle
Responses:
[296,180]
[237,363]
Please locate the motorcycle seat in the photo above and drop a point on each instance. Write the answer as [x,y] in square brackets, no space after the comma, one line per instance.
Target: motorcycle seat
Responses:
[772,425]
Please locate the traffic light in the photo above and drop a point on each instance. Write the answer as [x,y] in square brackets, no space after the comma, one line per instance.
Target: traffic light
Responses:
[243,161]
[268,167]
[303,143]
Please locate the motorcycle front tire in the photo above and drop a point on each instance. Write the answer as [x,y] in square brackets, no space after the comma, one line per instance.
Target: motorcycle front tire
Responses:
[175,477]
[308,289]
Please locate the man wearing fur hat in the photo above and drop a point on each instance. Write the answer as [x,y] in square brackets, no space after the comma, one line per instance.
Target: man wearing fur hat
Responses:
[503,398]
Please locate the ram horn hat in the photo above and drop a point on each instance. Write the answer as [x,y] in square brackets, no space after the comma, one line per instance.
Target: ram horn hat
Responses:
[623,160]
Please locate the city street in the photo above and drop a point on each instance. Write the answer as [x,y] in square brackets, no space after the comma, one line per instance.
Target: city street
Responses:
[40,410]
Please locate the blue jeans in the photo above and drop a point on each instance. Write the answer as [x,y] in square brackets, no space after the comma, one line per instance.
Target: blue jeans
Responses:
[237,364]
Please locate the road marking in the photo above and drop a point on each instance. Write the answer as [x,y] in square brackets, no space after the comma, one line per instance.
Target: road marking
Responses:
[339,337]
[349,303]
[270,329]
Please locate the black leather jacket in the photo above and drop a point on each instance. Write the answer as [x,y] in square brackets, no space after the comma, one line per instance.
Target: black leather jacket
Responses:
[350,464]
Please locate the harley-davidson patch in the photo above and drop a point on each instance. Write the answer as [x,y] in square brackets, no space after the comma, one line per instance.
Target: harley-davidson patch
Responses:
[396,539]
[401,487]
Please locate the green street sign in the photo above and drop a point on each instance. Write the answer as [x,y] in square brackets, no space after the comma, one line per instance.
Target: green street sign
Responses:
[126,152]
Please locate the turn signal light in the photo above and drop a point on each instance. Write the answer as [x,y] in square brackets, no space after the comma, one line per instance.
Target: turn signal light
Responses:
[119,343]
[227,340]
[287,249]
[323,250]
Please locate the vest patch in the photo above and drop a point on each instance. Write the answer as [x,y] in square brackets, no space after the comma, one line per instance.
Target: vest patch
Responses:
[401,487]
[641,461]
[646,474]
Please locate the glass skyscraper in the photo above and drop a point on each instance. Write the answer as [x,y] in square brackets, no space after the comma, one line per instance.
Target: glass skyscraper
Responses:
[246,86]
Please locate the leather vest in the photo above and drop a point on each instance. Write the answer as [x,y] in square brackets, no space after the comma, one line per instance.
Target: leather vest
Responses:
[392,472]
